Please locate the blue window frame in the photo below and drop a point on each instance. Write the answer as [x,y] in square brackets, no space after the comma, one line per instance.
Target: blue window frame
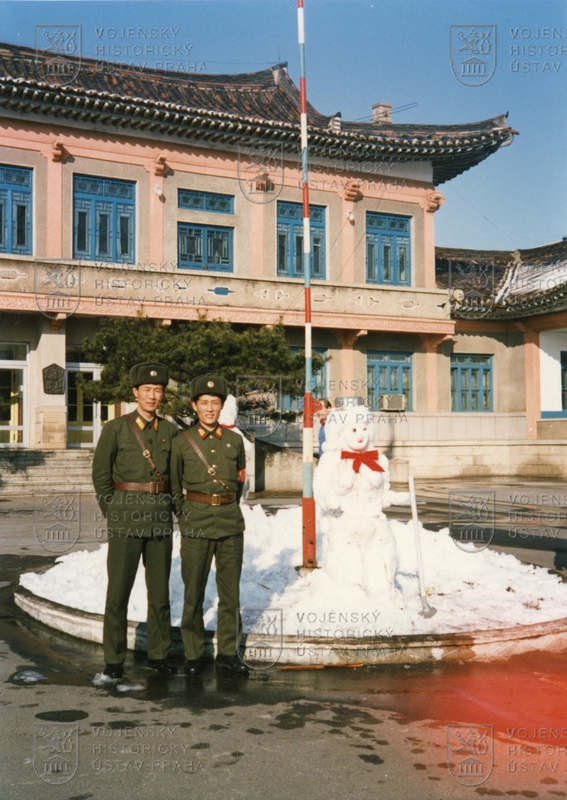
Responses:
[103,219]
[471,383]
[206,201]
[388,251]
[388,373]
[290,240]
[205,247]
[318,386]
[15,210]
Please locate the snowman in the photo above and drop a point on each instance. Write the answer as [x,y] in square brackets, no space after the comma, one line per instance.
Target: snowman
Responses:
[351,485]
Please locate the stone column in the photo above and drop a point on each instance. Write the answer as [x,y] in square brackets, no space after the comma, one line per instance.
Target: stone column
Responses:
[533,391]
[431,342]
[50,400]
[347,338]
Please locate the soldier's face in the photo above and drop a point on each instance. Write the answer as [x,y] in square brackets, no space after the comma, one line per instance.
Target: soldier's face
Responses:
[149,396]
[208,408]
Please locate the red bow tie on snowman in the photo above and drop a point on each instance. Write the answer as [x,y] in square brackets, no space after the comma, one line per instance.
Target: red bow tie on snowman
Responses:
[368,457]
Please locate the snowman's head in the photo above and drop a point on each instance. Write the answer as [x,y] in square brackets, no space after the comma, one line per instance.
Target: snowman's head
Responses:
[357,433]
[349,429]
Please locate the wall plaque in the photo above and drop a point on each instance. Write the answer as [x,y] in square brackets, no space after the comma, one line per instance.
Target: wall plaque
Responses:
[54,379]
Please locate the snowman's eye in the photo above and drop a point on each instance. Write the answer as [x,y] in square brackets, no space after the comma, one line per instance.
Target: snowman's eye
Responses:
[354,430]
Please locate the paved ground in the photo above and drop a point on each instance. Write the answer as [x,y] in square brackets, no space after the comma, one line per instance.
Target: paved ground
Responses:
[340,733]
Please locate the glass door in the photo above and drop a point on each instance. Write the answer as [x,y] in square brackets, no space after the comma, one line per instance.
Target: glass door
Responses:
[13,367]
[85,418]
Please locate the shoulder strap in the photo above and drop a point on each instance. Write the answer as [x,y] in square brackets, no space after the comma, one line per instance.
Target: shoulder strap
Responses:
[145,452]
[210,469]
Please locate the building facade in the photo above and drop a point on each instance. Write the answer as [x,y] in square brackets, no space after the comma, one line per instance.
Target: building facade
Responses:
[179,197]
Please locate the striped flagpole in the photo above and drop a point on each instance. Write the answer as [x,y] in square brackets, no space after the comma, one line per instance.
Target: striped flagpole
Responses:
[308,503]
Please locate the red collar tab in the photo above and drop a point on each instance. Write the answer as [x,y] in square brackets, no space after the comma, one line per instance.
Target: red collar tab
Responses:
[203,433]
[369,458]
[143,423]
[227,426]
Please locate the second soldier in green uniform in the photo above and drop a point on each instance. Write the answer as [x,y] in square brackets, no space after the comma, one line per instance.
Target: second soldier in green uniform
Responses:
[207,474]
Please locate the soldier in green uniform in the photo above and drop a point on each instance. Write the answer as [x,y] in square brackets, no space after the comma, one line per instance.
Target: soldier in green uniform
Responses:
[131,476]
[207,474]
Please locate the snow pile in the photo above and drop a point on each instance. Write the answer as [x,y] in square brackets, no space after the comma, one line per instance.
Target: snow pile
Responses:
[471,591]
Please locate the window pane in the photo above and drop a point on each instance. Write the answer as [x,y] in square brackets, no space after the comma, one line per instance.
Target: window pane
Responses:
[283,250]
[371,251]
[402,261]
[20,226]
[298,254]
[486,398]
[454,380]
[82,231]
[124,235]
[394,379]
[103,224]
[317,245]
[2,231]
[386,259]
[72,410]
[217,247]
[191,246]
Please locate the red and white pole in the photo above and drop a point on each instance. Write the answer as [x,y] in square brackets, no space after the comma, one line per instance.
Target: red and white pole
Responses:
[308,503]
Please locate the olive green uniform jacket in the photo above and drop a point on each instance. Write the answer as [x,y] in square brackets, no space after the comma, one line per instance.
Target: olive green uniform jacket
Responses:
[224,451]
[118,457]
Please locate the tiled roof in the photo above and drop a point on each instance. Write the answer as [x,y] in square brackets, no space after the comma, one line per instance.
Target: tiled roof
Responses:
[502,284]
[226,109]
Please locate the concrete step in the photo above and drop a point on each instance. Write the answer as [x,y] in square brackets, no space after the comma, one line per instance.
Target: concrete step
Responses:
[29,471]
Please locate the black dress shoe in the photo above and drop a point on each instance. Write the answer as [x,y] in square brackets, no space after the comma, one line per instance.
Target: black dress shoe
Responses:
[232,663]
[193,666]
[113,671]
[162,665]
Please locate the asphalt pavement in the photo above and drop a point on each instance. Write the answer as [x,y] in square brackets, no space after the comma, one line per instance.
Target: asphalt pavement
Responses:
[430,731]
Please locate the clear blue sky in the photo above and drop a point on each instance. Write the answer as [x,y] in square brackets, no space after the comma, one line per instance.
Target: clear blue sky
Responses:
[361,51]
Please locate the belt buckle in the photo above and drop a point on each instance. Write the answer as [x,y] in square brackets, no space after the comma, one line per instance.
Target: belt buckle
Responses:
[215,499]
[153,490]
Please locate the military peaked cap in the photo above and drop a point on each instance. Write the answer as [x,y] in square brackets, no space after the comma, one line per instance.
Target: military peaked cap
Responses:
[208,384]
[149,372]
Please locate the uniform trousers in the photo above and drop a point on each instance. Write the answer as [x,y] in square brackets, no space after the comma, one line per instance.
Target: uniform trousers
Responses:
[196,557]
[122,565]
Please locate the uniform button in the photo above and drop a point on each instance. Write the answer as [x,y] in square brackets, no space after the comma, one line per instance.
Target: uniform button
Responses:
[213,450]
[214,466]
[215,481]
